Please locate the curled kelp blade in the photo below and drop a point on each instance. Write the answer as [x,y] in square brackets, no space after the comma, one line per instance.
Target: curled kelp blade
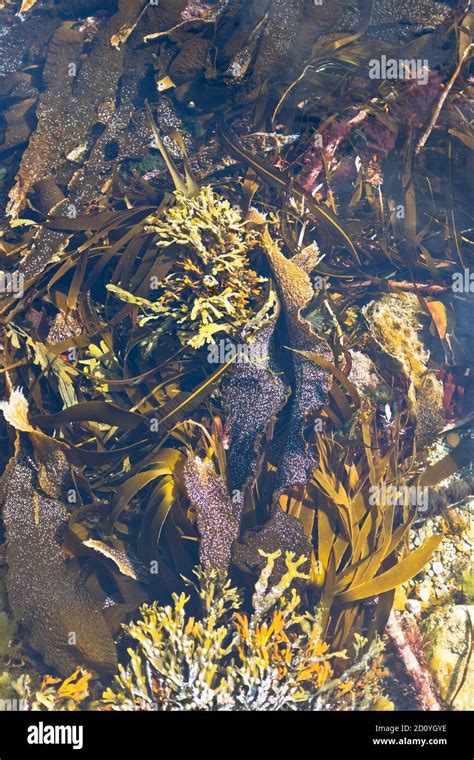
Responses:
[407,568]
[163,463]
[91,411]
[162,500]
[161,530]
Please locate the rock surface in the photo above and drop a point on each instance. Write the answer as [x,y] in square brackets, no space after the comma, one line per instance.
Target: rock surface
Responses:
[448,642]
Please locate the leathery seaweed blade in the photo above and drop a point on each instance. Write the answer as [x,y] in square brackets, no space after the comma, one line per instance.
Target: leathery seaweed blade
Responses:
[236,288]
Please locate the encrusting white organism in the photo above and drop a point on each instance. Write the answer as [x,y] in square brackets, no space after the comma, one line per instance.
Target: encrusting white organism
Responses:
[15,411]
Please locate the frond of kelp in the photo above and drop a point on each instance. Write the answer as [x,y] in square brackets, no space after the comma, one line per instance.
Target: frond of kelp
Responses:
[360,536]
[223,659]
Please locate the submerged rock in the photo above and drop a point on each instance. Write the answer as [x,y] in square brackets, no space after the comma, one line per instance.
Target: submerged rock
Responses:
[449,636]
[45,594]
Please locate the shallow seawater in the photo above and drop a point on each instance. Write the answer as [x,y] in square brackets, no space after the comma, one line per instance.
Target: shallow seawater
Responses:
[236,294]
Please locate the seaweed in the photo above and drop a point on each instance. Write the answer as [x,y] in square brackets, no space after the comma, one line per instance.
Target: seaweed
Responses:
[235,294]
[272,660]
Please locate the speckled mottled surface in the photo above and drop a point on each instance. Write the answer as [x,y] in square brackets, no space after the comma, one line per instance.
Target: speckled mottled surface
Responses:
[61,620]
